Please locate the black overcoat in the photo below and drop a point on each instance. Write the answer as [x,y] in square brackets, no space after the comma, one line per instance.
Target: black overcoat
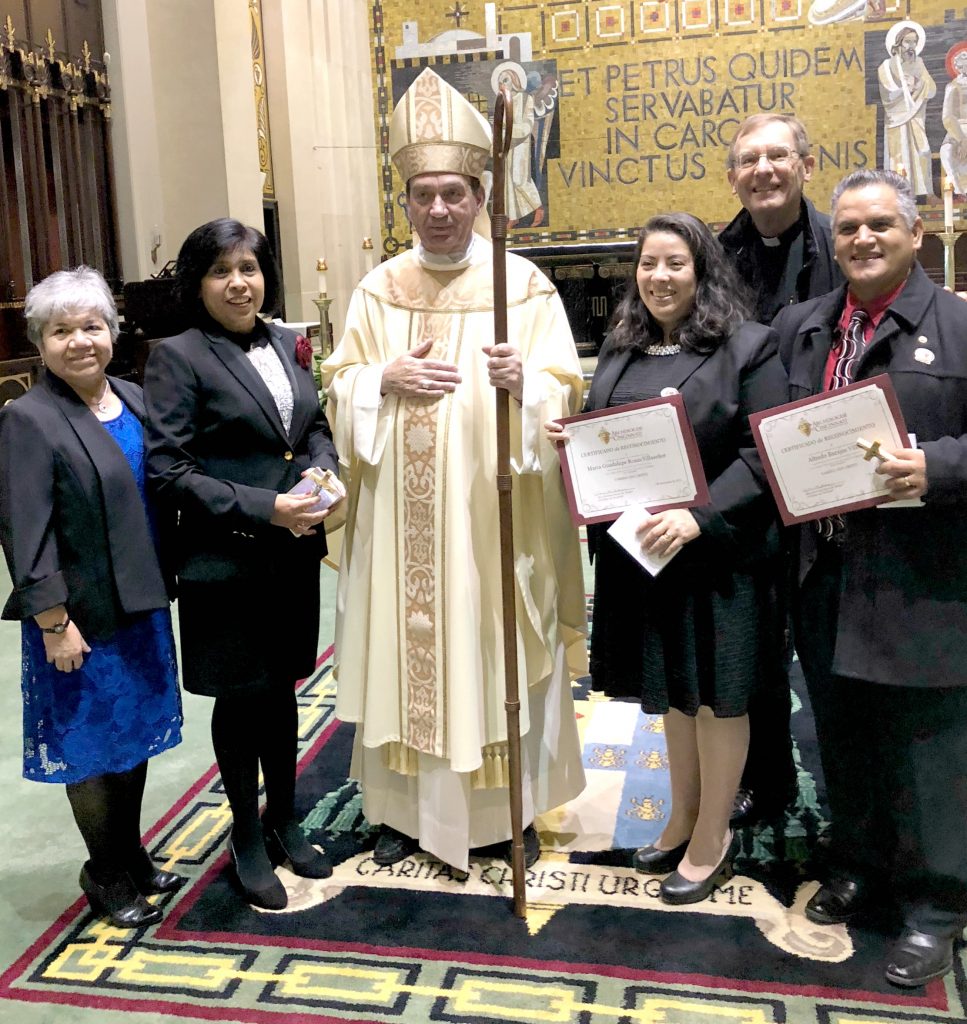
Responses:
[903,606]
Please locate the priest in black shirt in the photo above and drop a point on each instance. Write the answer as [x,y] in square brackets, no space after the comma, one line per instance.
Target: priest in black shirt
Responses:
[782,247]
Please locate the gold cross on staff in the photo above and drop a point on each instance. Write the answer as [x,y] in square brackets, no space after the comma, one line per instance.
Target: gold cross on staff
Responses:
[458,13]
[872,449]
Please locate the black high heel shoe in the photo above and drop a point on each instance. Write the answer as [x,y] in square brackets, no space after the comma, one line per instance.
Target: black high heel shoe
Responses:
[678,890]
[649,860]
[118,900]
[260,887]
[151,880]
[289,844]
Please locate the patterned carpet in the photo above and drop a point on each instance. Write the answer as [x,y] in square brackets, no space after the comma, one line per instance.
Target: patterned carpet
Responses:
[414,943]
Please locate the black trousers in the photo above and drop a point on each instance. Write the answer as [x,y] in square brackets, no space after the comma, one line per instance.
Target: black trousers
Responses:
[894,759]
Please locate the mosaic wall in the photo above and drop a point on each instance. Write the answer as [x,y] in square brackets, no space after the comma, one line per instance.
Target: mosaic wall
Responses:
[626,108]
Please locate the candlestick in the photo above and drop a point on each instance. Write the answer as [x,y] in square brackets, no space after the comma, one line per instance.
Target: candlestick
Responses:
[901,170]
[369,255]
[321,269]
[325,328]
[948,204]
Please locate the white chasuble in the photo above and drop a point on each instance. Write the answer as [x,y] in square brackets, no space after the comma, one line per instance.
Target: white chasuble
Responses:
[419,653]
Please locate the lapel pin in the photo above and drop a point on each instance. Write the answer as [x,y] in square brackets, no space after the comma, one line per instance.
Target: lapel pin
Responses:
[922,340]
[924,355]
[668,392]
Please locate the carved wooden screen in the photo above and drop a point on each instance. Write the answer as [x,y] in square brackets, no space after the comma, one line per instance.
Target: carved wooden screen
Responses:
[56,186]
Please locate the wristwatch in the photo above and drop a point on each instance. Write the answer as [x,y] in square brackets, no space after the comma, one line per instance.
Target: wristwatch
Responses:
[58,629]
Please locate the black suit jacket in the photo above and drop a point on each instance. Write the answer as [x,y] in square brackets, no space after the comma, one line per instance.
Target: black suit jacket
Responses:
[219,454]
[72,523]
[719,390]
[903,607]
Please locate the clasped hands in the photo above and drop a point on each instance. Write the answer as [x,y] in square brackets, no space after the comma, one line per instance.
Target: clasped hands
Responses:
[412,375]
[295,510]
[660,534]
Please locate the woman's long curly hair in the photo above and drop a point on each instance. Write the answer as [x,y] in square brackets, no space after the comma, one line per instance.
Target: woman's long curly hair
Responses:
[722,301]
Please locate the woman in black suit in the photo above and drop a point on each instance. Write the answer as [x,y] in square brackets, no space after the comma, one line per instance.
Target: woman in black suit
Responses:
[99,675]
[233,423]
[692,642]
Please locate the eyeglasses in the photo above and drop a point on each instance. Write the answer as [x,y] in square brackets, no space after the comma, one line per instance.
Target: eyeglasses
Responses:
[777,156]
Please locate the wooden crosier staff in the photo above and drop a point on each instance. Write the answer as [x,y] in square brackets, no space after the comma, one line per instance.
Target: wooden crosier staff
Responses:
[503,125]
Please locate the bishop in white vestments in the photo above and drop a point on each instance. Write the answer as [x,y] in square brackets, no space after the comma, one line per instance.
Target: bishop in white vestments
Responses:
[419,652]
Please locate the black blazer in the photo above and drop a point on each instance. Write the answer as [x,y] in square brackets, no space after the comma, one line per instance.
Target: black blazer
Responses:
[903,610]
[219,454]
[72,524]
[719,390]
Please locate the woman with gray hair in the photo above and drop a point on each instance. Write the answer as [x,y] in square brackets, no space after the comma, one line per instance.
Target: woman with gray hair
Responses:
[99,673]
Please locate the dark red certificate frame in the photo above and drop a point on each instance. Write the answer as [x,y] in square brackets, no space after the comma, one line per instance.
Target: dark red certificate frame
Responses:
[882,381]
[691,449]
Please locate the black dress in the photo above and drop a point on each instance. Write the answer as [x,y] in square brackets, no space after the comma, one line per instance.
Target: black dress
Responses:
[706,629]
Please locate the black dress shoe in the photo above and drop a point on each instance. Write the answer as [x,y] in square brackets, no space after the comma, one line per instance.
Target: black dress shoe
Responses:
[649,860]
[678,890]
[532,848]
[118,900]
[257,880]
[150,879]
[288,843]
[750,806]
[393,846]
[918,958]
[836,901]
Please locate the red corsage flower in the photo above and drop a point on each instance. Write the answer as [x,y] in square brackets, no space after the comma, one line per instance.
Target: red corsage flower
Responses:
[303,351]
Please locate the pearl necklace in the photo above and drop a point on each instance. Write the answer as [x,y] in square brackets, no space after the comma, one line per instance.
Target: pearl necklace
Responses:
[662,350]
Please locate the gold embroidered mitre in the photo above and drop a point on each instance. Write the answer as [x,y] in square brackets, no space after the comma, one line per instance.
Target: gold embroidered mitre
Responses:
[434,130]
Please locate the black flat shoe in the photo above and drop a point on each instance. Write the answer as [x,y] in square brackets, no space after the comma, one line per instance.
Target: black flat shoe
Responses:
[118,900]
[258,882]
[678,890]
[918,958]
[836,901]
[649,860]
[532,848]
[149,879]
[289,844]
[393,846]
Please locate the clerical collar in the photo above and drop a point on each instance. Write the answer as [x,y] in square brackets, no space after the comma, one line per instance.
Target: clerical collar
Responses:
[784,237]
[446,261]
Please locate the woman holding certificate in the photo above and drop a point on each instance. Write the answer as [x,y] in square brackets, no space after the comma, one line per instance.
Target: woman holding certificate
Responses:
[233,424]
[693,641]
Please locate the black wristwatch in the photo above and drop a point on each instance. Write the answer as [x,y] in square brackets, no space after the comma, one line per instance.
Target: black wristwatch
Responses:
[58,629]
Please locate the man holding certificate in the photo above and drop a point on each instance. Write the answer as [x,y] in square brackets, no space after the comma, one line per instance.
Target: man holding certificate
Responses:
[881,608]
[697,639]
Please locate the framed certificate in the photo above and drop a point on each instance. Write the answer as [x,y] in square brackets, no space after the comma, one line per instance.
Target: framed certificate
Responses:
[644,453]
[810,454]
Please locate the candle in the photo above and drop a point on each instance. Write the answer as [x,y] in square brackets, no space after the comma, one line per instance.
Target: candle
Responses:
[948,204]
[901,170]
[369,256]
[321,269]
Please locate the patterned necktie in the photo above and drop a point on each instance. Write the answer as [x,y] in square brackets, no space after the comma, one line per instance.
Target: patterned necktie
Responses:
[833,527]
[852,345]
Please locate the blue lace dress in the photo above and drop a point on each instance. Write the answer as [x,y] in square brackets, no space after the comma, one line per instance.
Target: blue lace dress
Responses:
[123,705]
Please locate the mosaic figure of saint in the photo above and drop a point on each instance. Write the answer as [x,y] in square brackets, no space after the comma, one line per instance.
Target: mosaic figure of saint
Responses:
[905,88]
[953,149]
[533,104]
